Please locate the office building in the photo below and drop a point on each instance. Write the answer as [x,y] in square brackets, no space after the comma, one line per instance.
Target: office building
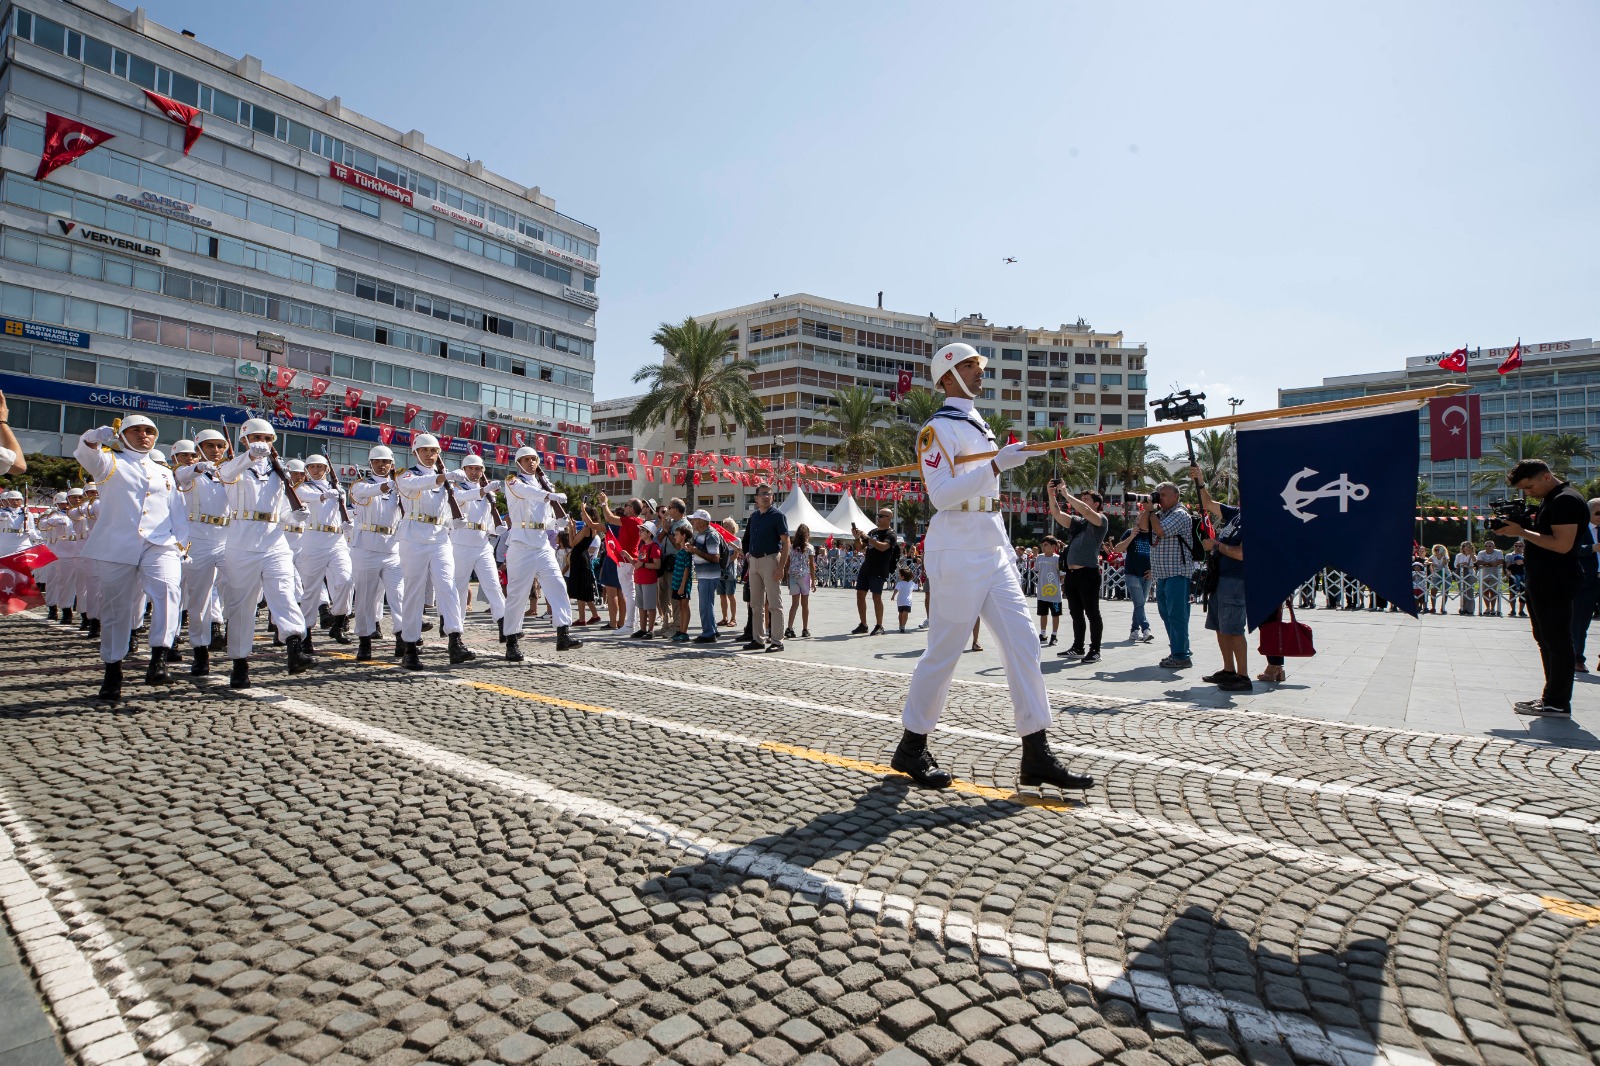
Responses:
[385,272]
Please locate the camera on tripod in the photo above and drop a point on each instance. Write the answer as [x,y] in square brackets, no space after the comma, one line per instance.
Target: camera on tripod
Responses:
[1507,512]
[1180,406]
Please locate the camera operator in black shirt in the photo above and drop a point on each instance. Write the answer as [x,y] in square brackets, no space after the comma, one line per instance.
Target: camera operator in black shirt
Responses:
[1552,578]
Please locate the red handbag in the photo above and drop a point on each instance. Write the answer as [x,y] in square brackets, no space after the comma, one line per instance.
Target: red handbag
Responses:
[1290,639]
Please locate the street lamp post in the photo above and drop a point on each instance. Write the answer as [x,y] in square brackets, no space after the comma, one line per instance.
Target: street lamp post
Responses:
[1234,403]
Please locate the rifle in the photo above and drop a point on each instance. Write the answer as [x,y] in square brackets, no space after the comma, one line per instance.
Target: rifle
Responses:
[544,483]
[288,489]
[449,493]
[333,476]
[494,511]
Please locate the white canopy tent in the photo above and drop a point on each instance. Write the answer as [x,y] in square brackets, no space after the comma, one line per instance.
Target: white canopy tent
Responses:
[796,507]
[847,512]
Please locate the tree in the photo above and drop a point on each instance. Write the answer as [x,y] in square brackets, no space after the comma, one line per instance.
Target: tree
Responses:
[47,475]
[913,411]
[700,375]
[1133,462]
[1001,427]
[858,423]
[1565,450]
[1490,477]
[1218,458]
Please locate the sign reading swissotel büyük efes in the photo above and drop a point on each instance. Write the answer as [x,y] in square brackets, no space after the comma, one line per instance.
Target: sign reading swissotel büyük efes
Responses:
[1338,492]
[39,331]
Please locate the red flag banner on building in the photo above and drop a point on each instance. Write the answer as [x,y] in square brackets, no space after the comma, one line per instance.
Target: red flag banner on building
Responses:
[318,387]
[605,453]
[1455,430]
[541,441]
[436,423]
[1514,360]
[286,376]
[412,411]
[17,589]
[492,433]
[476,448]
[314,417]
[611,470]
[583,449]
[903,386]
[502,455]
[385,434]
[351,423]
[633,471]
[550,460]
[352,397]
[381,408]
[561,445]
[184,115]
[660,460]
[1456,361]
[66,139]
[468,425]
[518,438]
[572,464]
[444,443]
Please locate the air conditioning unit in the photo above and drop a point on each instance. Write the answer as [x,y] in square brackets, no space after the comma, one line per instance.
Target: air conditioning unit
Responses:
[493,413]
[1074,386]
[1105,388]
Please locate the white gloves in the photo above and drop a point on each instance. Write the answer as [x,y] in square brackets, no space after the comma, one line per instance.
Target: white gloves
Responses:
[301,515]
[493,486]
[1010,457]
[458,476]
[559,497]
[205,467]
[100,435]
[260,450]
[459,523]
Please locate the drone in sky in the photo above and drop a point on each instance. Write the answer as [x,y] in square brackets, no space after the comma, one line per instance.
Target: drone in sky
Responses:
[1010,259]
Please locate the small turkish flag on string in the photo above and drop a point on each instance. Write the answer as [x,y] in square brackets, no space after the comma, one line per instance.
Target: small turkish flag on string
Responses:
[286,376]
[412,411]
[633,471]
[649,473]
[381,408]
[444,443]
[1514,360]
[541,441]
[184,115]
[66,139]
[561,445]
[350,424]
[468,425]
[492,432]
[518,438]
[643,457]
[1456,361]
[475,447]
[611,470]
[583,449]
[352,397]
[314,417]
[436,423]
[318,387]
[385,433]
[502,455]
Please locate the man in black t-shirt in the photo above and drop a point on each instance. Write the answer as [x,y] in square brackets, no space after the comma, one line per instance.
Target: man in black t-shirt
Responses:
[1552,579]
[880,551]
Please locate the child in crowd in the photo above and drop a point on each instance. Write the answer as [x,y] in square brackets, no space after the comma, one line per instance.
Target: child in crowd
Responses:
[1048,567]
[802,579]
[1419,585]
[682,580]
[904,586]
[646,577]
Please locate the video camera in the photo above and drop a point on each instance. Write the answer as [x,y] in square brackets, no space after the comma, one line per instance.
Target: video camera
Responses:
[1179,407]
[1507,512]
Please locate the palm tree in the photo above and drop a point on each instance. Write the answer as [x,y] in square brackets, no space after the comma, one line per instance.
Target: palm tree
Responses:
[1001,427]
[700,375]
[858,424]
[1565,450]
[1491,473]
[913,411]
[1215,452]
[1132,462]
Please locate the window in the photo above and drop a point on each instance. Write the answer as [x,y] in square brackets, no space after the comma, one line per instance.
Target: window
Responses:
[197,388]
[1081,419]
[80,370]
[415,223]
[1011,355]
[1083,379]
[1111,379]
[355,201]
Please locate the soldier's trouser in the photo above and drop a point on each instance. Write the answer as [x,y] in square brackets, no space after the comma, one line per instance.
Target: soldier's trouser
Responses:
[331,561]
[523,564]
[477,557]
[973,585]
[201,579]
[58,582]
[247,577]
[375,574]
[158,574]
[419,563]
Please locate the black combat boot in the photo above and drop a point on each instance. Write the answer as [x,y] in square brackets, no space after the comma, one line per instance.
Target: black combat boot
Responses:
[324,618]
[219,637]
[364,650]
[54,614]
[338,632]
[306,647]
[500,624]
[174,653]
[1041,767]
[83,620]
[298,660]
[277,639]
[201,667]
[411,659]
[459,652]
[399,647]
[513,649]
[241,674]
[111,684]
[66,616]
[564,641]
[913,759]
[93,632]
[156,673]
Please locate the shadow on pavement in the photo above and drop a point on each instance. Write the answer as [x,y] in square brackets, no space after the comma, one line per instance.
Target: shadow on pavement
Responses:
[1550,732]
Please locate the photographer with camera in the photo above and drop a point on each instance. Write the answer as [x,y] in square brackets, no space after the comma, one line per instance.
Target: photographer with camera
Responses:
[1080,582]
[1551,536]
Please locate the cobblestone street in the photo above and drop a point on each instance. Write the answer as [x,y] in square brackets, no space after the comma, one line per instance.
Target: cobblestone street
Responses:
[653,852]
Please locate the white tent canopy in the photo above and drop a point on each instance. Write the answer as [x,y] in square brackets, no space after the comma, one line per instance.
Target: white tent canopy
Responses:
[796,507]
[847,512]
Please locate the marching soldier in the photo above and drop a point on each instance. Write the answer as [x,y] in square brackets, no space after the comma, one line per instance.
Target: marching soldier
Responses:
[206,498]
[17,530]
[135,545]
[324,552]
[258,556]
[531,555]
[969,565]
[375,554]
[56,528]
[88,576]
[425,552]
[75,595]
[474,552]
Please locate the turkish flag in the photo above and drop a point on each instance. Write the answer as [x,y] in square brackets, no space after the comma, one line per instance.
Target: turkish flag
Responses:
[283,409]
[381,408]
[541,441]
[903,385]
[572,464]
[661,459]
[561,445]
[613,549]
[611,470]
[644,457]
[318,387]
[1514,360]
[350,424]
[313,417]
[385,433]
[1455,429]
[518,438]
[677,457]
[605,453]
[468,425]
[352,397]
[649,473]
[436,423]
[184,115]
[412,411]
[492,432]
[444,444]
[502,455]
[66,139]
[17,590]
[286,376]
[476,448]
[633,471]
[1456,361]
[583,449]
[591,465]
[550,461]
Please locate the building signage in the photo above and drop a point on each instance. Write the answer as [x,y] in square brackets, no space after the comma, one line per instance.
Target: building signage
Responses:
[521,240]
[164,205]
[578,296]
[37,331]
[77,231]
[1496,356]
[340,172]
[573,427]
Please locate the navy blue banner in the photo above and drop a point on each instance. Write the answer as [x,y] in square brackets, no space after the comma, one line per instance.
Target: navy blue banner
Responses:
[38,331]
[1340,493]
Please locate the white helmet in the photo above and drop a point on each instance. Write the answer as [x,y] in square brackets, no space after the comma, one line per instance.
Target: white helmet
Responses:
[945,360]
[184,447]
[208,434]
[313,460]
[380,452]
[294,466]
[74,492]
[424,440]
[472,460]
[525,451]
[13,494]
[155,453]
[257,425]
[59,498]
[135,420]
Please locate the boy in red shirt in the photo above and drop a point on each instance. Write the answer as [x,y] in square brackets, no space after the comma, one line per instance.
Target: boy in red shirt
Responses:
[646,574]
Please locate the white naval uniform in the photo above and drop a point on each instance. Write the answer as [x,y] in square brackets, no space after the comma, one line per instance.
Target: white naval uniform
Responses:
[474,551]
[530,554]
[971,574]
[78,594]
[374,552]
[207,500]
[425,553]
[259,560]
[17,530]
[324,553]
[56,528]
[136,545]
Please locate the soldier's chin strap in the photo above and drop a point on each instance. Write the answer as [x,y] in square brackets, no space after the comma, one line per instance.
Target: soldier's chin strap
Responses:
[961,383]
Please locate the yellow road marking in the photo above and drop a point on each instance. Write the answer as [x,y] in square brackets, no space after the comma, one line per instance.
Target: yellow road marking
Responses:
[1572,909]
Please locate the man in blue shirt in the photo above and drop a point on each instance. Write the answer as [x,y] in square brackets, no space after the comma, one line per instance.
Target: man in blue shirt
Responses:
[768,532]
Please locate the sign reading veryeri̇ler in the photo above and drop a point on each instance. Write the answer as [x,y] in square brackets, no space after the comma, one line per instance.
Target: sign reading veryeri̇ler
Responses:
[340,172]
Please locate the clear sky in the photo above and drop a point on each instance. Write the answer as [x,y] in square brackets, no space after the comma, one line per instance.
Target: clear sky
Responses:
[1265,193]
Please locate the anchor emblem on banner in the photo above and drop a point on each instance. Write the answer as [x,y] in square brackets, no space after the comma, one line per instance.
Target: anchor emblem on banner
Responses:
[1341,488]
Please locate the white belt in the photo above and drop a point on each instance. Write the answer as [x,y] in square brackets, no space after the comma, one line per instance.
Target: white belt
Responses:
[383,531]
[258,516]
[425,519]
[533,525]
[210,520]
[982,503]
[328,529]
